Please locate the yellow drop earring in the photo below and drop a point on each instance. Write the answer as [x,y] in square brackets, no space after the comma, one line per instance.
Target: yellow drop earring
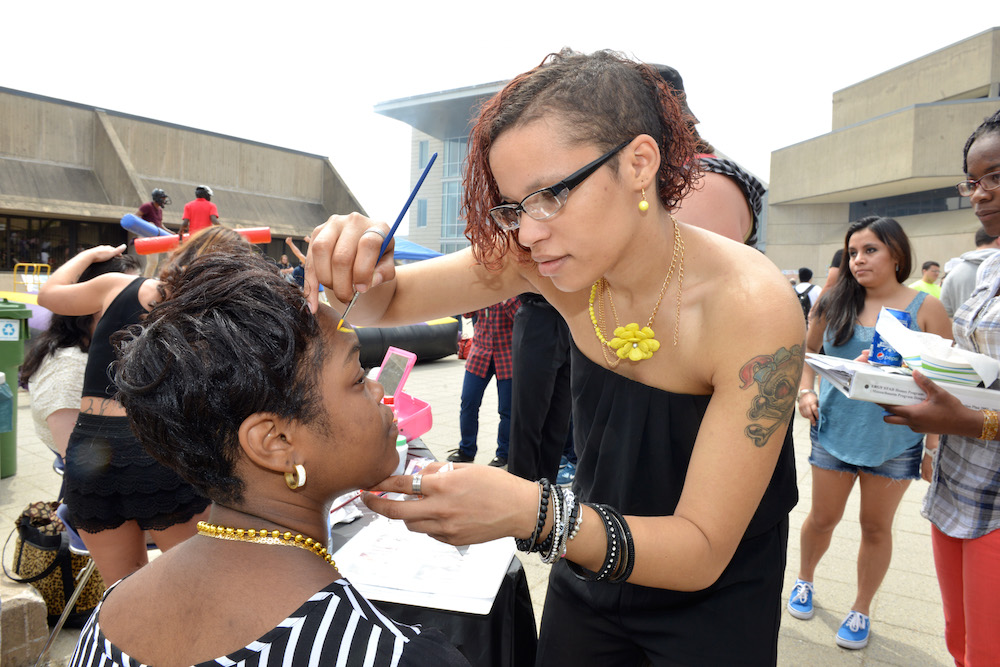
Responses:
[643,205]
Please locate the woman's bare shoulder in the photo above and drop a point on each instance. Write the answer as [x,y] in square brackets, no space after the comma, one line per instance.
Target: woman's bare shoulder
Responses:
[715,255]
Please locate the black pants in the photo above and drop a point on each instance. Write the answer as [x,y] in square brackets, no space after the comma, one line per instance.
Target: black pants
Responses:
[733,622]
[541,400]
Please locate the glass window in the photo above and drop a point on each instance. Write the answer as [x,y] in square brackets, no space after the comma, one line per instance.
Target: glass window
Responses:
[455,151]
[423,153]
[421,213]
[453,246]
[47,241]
[451,199]
[914,203]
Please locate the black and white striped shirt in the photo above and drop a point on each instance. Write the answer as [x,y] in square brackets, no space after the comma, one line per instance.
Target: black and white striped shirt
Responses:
[336,626]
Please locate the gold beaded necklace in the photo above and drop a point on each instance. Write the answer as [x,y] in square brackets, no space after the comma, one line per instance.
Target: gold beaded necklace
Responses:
[630,341]
[264,536]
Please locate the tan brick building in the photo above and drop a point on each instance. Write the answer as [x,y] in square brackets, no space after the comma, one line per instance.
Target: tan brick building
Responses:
[69,172]
[895,149]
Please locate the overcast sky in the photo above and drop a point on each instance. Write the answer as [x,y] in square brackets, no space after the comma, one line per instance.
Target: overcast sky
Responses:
[306,75]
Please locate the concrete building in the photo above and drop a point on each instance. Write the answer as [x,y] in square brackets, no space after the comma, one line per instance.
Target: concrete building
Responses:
[441,123]
[69,172]
[895,149]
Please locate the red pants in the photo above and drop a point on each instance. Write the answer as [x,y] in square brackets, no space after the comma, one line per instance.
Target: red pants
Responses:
[969,575]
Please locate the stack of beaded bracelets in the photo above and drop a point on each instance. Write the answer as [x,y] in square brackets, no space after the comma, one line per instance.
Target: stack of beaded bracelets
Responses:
[619,558]
[990,425]
[566,521]
[567,517]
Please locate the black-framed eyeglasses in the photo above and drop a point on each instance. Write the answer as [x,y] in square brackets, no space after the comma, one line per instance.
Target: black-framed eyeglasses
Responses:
[545,202]
[990,181]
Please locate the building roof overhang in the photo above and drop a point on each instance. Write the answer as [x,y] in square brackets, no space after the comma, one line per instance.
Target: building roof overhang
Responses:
[443,114]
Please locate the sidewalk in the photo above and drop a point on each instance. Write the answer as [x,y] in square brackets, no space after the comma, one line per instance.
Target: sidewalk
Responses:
[908,625]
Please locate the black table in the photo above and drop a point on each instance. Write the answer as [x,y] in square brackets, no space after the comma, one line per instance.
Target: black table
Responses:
[506,637]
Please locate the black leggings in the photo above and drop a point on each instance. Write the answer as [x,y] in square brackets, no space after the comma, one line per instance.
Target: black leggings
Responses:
[733,622]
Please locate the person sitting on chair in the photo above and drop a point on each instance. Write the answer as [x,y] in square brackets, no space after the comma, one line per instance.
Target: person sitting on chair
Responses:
[234,384]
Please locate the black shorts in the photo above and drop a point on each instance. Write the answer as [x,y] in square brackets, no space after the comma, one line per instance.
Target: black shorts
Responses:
[110,479]
[733,622]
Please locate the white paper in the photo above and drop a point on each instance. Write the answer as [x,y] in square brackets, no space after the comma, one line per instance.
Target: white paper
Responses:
[386,561]
[912,345]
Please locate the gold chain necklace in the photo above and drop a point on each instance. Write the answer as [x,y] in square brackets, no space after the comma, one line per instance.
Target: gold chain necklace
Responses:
[632,342]
[285,539]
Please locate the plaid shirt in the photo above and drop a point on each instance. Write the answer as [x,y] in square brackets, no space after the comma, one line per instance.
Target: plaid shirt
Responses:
[491,340]
[964,497]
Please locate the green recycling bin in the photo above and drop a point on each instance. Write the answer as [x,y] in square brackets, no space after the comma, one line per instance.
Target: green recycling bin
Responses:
[13,332]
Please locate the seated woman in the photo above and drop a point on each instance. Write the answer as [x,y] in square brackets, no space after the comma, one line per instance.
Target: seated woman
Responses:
[236,386]
[115,491]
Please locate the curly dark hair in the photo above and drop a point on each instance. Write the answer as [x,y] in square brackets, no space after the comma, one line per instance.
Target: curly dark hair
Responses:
[234,338]
[71,330]
[603,99]
[842,303]
[988,126]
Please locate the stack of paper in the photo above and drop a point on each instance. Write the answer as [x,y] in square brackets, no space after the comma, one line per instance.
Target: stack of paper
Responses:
[890,385]
[387,562]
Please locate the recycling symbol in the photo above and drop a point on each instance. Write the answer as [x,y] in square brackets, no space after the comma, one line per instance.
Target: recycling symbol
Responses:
[8,330]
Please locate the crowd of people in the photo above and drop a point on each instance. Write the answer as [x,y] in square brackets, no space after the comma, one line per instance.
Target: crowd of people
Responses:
[220,407]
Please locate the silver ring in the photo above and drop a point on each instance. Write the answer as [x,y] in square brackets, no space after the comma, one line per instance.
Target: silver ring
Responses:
[374,230]
[417,484]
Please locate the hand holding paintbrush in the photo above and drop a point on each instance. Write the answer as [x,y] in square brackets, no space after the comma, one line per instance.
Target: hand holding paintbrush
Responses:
[324,248]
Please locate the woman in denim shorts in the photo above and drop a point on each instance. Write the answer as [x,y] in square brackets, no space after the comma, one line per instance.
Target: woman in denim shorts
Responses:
[850,442]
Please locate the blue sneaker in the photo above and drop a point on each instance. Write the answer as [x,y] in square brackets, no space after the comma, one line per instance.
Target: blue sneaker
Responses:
[800,604]
[566,474]
[854,631]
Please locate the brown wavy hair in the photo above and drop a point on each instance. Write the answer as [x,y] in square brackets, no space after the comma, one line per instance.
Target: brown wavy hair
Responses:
[216,238]
[603,99]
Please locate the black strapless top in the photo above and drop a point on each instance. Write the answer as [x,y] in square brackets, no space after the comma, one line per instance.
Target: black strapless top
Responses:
[634,445]
[124,310]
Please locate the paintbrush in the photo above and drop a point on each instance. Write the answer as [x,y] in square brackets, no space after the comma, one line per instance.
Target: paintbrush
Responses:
[392,232]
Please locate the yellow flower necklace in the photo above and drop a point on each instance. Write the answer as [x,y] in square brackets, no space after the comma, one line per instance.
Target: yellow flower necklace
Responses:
[630,341]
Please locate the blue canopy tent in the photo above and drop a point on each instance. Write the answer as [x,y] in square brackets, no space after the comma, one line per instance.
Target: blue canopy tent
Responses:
[408,250]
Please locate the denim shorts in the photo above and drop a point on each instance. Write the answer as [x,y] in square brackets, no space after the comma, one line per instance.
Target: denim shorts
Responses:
[904,466]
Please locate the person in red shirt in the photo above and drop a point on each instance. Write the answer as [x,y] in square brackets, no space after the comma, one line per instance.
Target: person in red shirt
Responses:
[489,355]
[200,213]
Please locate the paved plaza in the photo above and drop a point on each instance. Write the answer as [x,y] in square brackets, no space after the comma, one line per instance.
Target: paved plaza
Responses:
[907,627]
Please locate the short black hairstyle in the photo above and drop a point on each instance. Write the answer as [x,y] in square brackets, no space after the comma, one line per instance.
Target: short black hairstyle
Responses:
[805,274]
[234,338]
[983,237]
[928,264]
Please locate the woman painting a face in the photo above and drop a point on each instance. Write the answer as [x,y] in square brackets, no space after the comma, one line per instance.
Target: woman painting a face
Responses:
[687,348]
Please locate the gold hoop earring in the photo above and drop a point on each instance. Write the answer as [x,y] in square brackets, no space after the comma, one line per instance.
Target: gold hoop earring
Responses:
[643,205]
[297,479]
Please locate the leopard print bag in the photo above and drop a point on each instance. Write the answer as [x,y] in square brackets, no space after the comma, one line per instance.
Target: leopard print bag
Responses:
[42,558]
